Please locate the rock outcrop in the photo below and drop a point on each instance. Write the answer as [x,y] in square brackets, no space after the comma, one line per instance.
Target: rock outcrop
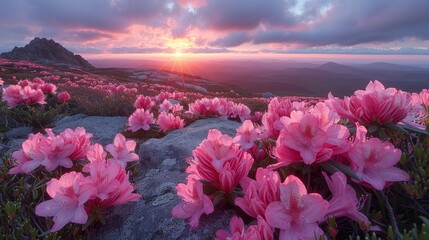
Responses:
[163,162]
[103,129]
[44,51]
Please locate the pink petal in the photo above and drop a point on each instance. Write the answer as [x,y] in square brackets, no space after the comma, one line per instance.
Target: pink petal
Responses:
[276,216]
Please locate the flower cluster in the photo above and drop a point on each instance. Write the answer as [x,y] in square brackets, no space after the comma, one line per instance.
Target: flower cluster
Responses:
[102,183]
[374,105]
[218,162]
[29,93]
[296,135]
[219,107]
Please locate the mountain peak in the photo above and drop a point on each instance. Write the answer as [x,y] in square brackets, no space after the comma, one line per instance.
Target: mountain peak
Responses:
[42,50]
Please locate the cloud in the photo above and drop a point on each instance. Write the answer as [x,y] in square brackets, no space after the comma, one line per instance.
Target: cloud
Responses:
[350,23]
[232,40]
[140,50]
[218,25]
[207,50]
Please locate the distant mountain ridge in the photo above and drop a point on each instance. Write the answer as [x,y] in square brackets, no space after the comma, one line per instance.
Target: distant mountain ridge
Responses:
[44,51]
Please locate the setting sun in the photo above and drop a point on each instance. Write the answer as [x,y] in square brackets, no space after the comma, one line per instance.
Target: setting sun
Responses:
[178,54]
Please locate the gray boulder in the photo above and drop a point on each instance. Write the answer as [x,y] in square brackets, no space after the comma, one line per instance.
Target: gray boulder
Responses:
[103,128]
[163,164]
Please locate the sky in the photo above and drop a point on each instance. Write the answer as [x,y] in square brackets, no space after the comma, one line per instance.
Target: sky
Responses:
[231,27]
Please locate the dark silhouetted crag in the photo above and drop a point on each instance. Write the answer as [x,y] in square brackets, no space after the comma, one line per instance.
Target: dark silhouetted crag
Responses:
[44,51]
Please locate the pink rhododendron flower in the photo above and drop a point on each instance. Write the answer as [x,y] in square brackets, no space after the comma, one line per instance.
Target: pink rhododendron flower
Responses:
[220,162]
[95,153]
[143,102]
[1,82]
[424,97]
[168,122]
[140,119]
[52,151]
[417,114]
[230,109]
[30,96]
[343,202]
[373,162]
[165,106]
[311,137]
[112,184]
[48,88]
[374,105]
[63,97]
[194,203]
[205,107]
[262,231]
[30,156]
[297,213]
[79,138]
[260,193]
[246,135]
[122,151]
[12,95]
[277,109]
[69,193]
[57,153]
[176,108]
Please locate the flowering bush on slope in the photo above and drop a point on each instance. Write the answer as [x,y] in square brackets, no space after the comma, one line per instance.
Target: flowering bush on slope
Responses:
[102,183]
[33,102]
[303,143]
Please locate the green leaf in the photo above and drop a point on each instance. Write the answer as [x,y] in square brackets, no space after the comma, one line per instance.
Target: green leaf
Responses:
[218,198]
[424,220]
[413,129]
[332,165]
[395,127]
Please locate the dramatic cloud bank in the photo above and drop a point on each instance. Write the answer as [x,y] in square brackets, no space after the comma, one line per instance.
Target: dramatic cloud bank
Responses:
[282,26]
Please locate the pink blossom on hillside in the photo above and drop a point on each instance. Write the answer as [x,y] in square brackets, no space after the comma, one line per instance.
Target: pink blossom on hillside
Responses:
[234,110]
[277,109]
[12,96]
[424,97]
[373,161]
[260,193]
[297,213]
[63,97]
[374,105]
[143,102]
[24,83]
[95,153]
[262,231]
[343,202]
[51,151]
[30,156]
[205,106]
[112,184]
[79,138]
[48,88]
[165,106]
[140,119]
[311,137]
[220,162]
[162,96]
[168,122]
[122,151]
[69,193]
[194,202]
[1,82]
[57,153]
[246,135]
[30,96]
[417,114]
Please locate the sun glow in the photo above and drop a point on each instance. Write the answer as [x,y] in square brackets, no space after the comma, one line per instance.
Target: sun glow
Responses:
[178,54]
